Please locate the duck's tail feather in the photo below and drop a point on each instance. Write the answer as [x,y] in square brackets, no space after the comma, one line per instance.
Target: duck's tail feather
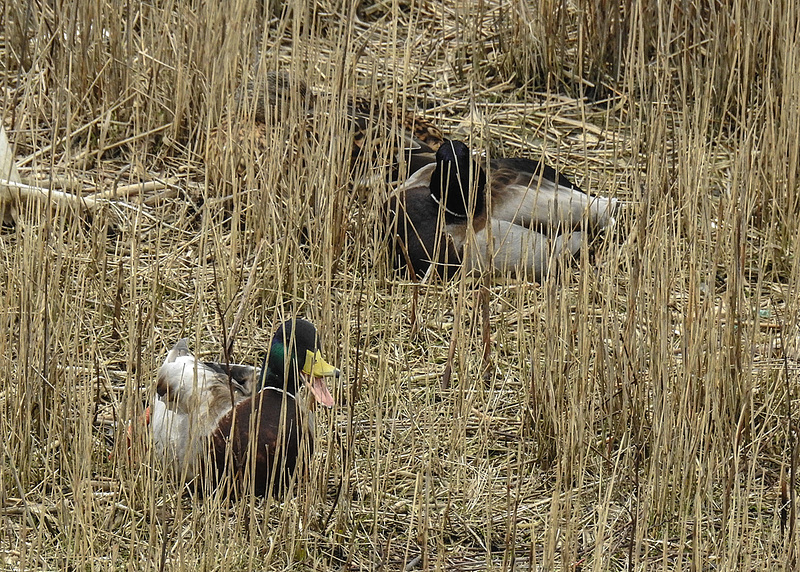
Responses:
[603,211]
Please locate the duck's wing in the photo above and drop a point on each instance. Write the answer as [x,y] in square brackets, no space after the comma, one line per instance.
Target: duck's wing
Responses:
[531,194]
[242,378]
[519,250]
[425,136]
[207,389]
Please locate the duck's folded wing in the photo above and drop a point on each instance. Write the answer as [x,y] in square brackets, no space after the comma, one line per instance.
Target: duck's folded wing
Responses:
[243,378]
[534,195]
[190,386]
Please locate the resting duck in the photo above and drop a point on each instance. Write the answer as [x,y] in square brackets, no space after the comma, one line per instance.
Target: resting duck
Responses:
[536,214]
[192,397]
[371,125]
[207,422]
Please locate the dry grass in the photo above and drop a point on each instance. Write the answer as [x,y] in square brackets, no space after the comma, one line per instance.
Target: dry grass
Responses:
[636,412]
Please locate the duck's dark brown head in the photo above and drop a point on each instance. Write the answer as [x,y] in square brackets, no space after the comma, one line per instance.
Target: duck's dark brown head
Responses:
[456,179]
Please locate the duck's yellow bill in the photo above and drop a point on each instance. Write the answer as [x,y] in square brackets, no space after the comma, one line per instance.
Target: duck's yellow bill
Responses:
[318,369]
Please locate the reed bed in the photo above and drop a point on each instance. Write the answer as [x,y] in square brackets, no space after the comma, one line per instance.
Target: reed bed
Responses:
[633,411]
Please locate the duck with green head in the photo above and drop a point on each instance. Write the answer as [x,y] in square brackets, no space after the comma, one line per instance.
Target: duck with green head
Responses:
[522,213]
[261,438]
[238,422]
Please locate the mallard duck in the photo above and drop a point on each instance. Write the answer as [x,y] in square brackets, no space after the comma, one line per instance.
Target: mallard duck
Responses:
[533,214]
[415,140]
[208,417]
[271,423]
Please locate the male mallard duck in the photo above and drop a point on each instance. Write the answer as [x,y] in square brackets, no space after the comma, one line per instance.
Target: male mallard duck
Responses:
[533,214]
[201,419]
[271,423]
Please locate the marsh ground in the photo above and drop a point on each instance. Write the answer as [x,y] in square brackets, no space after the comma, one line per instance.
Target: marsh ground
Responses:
[635,411]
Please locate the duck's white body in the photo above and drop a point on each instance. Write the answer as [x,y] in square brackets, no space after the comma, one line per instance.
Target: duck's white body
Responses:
[174,441]
[519,250]
[545,204]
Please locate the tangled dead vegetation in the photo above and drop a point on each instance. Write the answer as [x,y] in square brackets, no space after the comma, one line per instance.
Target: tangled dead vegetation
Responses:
[635,411]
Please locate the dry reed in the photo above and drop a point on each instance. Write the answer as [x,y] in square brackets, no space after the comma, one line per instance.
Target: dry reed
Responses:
[636,411]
